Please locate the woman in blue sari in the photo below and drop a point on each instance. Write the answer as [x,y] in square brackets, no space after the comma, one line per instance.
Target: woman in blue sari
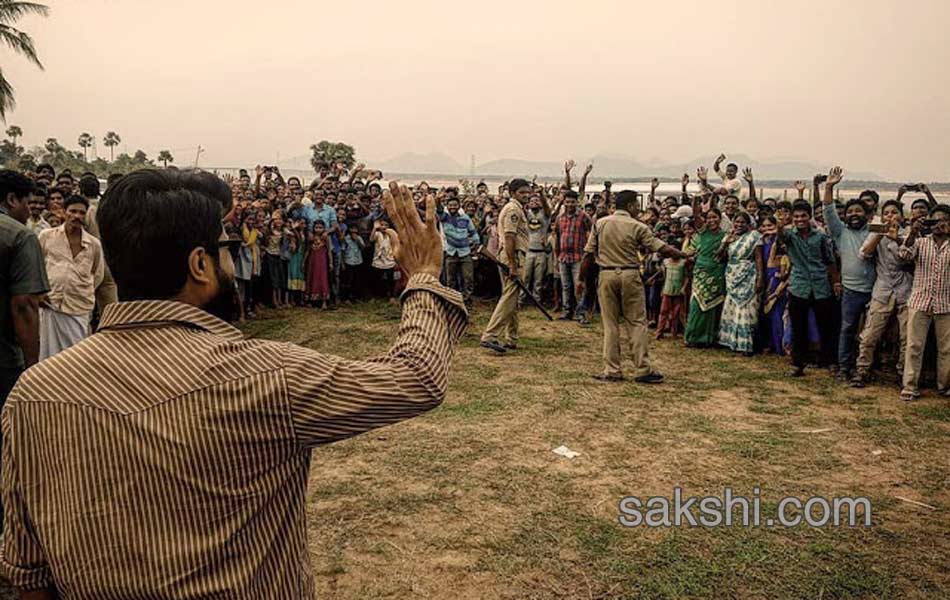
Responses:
[744,284]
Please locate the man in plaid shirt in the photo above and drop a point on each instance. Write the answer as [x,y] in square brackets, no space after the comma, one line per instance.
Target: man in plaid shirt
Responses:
[929,299]
[572,231]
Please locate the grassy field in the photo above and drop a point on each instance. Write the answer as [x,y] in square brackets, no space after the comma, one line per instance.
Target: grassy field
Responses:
[468,501]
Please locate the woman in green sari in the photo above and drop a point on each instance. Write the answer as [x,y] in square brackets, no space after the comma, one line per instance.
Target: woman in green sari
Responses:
[709,280]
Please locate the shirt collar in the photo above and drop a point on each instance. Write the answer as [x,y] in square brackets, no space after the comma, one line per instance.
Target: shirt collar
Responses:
[149,312]
[84,236]
[624,213]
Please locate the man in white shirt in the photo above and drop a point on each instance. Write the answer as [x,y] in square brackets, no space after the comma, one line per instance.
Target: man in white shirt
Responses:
[75,267]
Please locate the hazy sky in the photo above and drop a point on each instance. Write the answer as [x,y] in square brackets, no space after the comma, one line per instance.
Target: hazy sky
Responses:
[862,83]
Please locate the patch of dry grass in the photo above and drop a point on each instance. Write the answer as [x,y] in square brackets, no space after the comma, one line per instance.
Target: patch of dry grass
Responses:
[469,502]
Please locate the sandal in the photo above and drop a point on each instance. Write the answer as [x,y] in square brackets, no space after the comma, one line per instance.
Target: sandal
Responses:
[909,395]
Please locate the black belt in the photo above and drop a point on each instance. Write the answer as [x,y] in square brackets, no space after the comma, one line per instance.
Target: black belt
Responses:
[530,250]
[637,267]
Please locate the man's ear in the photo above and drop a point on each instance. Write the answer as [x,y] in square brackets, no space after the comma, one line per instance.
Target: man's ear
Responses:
[200,266]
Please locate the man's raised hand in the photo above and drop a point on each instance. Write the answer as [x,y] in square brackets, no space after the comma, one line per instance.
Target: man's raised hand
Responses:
[702,174]
[654,183]
[569,165]
[589,168]
[418,246]
[834,177]
[747,174]
[800,186]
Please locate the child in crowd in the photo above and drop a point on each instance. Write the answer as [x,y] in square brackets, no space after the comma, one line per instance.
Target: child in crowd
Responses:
[297,250]
[319,266]
[353,246]
[673,307]
[383,260]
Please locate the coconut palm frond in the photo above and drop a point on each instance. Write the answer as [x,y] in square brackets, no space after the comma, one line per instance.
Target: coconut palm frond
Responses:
[11,11]
[20,42]
[7,101]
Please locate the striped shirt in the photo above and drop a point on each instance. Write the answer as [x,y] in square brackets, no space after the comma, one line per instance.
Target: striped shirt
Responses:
[931,291]
[167,457]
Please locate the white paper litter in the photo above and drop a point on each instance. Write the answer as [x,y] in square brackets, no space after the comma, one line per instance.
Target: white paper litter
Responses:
[565,452]
[876,452]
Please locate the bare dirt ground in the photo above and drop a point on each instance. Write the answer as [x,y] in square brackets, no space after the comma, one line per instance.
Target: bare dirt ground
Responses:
[468,501]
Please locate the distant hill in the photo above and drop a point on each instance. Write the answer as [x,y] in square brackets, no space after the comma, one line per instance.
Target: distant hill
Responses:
[609,166]
[420,163]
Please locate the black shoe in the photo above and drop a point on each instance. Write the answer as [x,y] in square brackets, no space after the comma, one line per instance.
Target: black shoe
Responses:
[494,347]
[649,378]
[797,372]
[584,321]
[510,346]
[859,380]
[610,378]
[565,317]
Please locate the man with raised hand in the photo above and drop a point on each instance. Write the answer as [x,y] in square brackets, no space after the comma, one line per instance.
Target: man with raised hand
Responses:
[168,456]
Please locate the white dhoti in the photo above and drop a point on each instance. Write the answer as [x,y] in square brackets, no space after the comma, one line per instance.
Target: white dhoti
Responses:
[59,331]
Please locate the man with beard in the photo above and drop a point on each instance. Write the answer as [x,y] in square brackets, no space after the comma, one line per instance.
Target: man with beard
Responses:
[857,270]
[166,452]
[513,240]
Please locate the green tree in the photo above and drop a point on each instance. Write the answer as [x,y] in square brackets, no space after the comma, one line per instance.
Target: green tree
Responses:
[14,132]
[165,157]
[327,155]
[26,163]
[140,157]
[85,141]
[9,153]
[21,43]
[111,140]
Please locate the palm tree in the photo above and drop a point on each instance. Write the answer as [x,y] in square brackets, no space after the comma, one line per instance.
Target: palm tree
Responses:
[10,12]
[166,157]
[13,132]
[85,141]
[111,140]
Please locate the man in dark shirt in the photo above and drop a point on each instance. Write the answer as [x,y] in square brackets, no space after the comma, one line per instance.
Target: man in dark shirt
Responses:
[22,283]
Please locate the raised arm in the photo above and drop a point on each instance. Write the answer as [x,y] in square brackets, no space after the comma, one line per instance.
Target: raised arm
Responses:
[356,171]
[835,226]
[747,175]
[333,398]
[800,188]
[718,164]
[930,197]
[583,187]
[568,166]
[684,196]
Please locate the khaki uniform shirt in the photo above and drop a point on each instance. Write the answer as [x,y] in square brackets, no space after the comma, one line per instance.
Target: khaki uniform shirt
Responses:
[166,456]
[512,219]
[616,239]
[73,280]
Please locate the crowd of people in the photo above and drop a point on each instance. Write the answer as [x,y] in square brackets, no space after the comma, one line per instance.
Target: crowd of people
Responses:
[850,286]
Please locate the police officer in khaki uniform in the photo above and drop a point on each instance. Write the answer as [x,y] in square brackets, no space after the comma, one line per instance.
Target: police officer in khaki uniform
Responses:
[613,244]
[513,238]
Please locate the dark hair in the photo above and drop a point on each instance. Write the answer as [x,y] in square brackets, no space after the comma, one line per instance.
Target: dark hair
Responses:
[857,202]
[870,194]
[41,191]
[923,201]
[731,196]
[768,218]
[941,208]
[896,204]
[516,184]
[159,213]
[625,200]
[786,204]
[113,177]
[746,216]
[89,186]
[733,165]
[571,194]
[46,167]
[800,205]
[12,182]
[75,199]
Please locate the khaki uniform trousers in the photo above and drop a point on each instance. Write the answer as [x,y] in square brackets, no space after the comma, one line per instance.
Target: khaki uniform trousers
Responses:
[623,304]
[918,325]
[875,325]
[504,321]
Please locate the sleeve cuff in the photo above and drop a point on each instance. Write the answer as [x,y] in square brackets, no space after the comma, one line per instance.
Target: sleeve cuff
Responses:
[422,282]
